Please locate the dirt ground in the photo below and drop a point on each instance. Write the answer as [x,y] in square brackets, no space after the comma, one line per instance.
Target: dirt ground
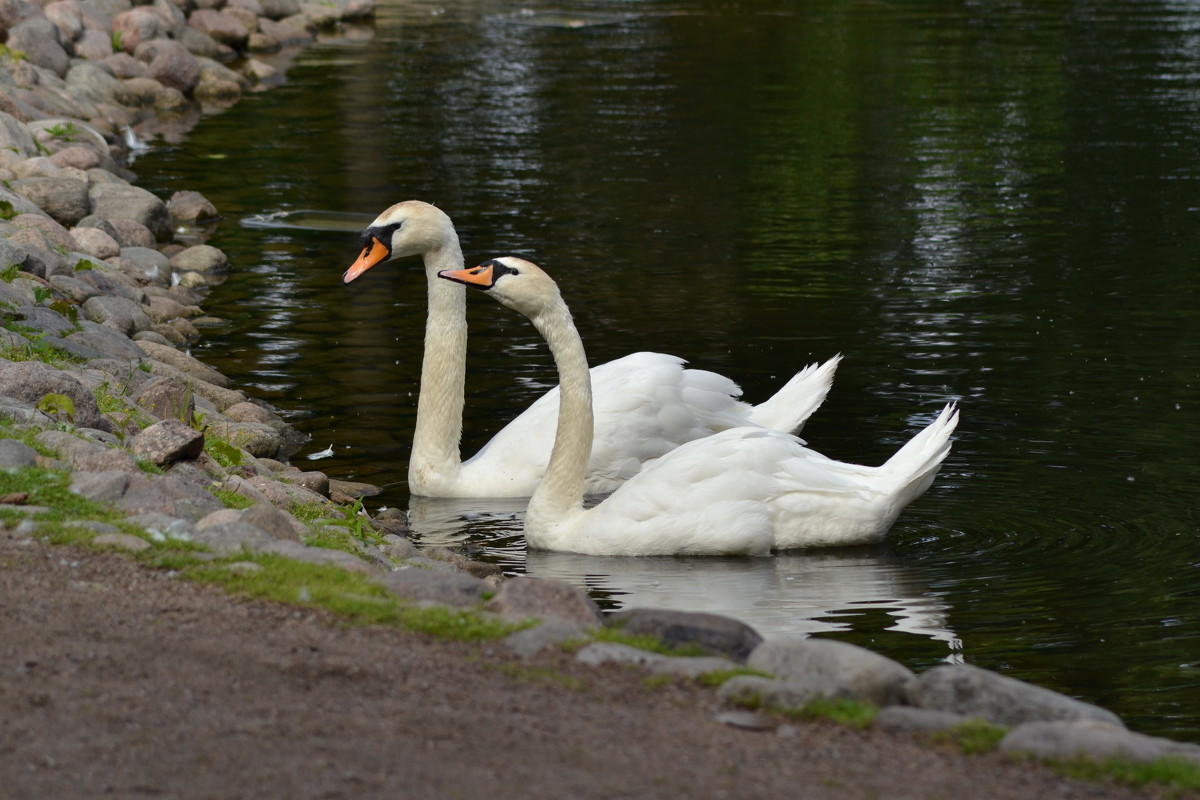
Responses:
[117,680]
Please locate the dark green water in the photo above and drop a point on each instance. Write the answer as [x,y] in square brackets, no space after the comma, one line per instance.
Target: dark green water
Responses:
[989,202]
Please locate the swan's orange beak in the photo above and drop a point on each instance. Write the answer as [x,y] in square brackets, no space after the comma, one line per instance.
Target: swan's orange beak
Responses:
[370,256]
[480,276]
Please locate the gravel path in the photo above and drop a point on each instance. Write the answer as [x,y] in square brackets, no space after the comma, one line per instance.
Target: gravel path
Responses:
[118,680]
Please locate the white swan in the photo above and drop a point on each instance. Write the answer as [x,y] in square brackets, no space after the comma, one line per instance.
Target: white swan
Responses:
[741,491]
[646,403]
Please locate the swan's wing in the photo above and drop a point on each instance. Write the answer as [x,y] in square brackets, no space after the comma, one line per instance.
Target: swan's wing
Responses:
[706,497]
[645,405]
[744,489]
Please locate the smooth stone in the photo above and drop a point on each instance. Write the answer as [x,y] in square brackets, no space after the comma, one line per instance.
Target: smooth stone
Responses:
[760,691]
[122,541]
[714,633]
[965,689]
[529,642]
[547,599]
[438,588]
[868,676]
[318,555]
[1093,739]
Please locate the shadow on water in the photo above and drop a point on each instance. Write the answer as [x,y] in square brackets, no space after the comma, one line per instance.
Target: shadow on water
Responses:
[993,205]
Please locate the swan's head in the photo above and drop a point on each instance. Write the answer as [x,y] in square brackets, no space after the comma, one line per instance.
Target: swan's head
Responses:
[519,284]
[410,228]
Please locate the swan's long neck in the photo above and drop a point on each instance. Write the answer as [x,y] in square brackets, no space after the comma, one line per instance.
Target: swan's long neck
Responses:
[559,497]
[435,450]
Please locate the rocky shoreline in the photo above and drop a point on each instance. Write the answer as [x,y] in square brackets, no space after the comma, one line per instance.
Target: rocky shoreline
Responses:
[100,301]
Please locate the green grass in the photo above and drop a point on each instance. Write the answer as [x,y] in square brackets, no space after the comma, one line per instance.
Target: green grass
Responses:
[355,598]
[717,677]
[1177,774]
[974,736]
[51,488]
[645,642]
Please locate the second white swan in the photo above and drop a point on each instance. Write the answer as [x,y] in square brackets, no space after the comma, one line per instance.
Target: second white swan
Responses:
[741,491]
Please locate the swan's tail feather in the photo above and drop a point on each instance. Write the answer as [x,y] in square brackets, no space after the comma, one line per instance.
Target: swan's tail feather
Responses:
[914,465]
[789,408]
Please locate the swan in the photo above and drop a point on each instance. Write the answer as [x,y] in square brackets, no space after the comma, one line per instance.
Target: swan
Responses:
[646,403]
[746,490]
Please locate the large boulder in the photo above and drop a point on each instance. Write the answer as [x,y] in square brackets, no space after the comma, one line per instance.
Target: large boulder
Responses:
[868,676]
[122,201]
[970,690]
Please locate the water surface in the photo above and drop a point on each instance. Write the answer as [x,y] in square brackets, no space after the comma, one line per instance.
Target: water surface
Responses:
[989,203]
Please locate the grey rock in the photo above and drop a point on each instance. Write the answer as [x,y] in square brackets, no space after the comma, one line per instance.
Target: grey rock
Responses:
[547,599]
[191,208]
[87,456]
[121,541]
[747,720]
[279,524]
[761,692]
[98,84]
[22,412]
[119,313]
[906,719]
[166,398]
[103,487]
[167,495]
[32,380]
[41,259]
[232,537]
[869,676]
[278,9]
[599,653]
[46,320]
[1092,739]
[66,17]
[169,62]
[964,689]
[132,233]
[398,548]
[201,258]
[94,525]
[239,485]
[94,45]
[161,527]
[428,587]
[120,201]
[16,455]
[529,642]
[185,363]
[95,242]
[290,32]
[151,265]
[168,441]
[136,26]
[221,26]
[203,46]
[105,341]
[64,199]
[38,38]
[108,282]
[72,288]
[715,634]
[318,555]
[14,135]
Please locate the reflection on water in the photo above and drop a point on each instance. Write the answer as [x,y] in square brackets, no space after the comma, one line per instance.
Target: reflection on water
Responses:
[784,594]
[995,203]
[789,593]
